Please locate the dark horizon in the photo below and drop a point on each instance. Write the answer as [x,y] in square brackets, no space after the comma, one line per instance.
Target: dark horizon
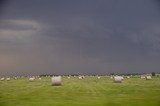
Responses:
[77,74]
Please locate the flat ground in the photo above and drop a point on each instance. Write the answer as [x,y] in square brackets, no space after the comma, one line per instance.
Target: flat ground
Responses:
[86,92]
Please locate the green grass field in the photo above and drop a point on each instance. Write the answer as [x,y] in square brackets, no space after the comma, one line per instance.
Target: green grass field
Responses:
[86,92]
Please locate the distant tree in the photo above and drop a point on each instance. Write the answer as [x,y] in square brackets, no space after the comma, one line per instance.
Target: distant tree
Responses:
[153,74]
[112,73]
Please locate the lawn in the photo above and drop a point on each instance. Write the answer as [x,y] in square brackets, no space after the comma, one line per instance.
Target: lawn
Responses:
[85,92]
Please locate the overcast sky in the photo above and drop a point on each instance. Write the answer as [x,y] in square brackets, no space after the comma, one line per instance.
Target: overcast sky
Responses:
[79,36]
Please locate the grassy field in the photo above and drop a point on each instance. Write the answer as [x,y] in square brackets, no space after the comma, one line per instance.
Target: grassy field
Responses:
[86,92]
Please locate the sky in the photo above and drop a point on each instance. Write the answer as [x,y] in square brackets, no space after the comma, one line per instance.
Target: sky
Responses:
[79,36]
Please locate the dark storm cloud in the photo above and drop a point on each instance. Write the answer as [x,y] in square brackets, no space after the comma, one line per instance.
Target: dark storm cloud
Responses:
[80,37]
[2,4]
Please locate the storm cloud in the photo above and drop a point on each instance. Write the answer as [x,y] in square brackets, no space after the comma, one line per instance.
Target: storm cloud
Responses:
[79,37]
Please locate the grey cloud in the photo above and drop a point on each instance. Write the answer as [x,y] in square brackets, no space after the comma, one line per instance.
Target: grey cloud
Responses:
[17,25]
[79,37]
[148,37]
